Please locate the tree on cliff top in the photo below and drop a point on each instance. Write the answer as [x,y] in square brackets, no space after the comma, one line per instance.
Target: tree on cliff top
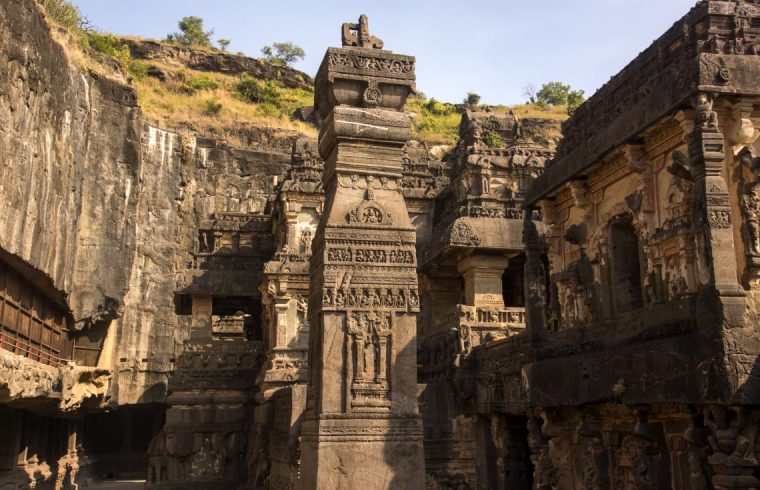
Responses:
[558,93]
[472,99]
[192,33]
[283,53]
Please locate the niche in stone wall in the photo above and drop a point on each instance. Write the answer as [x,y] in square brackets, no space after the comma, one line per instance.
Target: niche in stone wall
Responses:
[626,266]
[513,289]
[235,313]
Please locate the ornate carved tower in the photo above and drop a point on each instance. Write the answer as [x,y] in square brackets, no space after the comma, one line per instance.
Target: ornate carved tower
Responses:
[362,428]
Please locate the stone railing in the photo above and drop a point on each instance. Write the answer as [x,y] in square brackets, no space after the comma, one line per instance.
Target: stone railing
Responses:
[509,317]
[484,324]
[285,366]
[222,364]
[228,326]
[469,328]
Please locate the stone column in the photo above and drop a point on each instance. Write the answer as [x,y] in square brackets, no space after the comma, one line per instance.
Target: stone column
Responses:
[201,326]
[482,279]
[362,428]
[535,282]
[712,218]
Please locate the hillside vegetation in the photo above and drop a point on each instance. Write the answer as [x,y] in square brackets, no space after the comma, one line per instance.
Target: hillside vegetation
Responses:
[216,103]
[438,122]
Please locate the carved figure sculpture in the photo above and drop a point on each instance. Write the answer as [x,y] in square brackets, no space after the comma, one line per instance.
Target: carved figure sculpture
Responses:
[697,454]
[706,116]
[680,166]
[750,202]
[735,437]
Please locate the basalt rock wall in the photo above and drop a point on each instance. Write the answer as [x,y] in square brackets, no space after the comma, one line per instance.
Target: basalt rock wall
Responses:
[70,152]
[99,209]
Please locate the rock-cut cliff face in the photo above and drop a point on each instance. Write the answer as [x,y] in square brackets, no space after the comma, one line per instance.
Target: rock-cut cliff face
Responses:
[101,210]
[70,153]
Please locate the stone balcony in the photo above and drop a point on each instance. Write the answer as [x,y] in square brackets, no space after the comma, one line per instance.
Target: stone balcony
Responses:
[38,384]
[470,327]
[229,326]
[486,324]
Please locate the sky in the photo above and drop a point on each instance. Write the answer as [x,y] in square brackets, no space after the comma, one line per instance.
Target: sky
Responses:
[492,47]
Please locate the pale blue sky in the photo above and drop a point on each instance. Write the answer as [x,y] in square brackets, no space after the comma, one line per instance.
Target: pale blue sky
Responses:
[492,47]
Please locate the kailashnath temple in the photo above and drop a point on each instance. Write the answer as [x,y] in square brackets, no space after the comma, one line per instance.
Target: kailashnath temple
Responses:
[356,312]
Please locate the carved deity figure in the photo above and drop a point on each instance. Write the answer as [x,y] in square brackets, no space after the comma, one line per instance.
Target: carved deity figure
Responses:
[706,116]
[733,435]
[750,202]
[697,454]
[588,287]
[676,282]
[358,35]
[370,356]
[464,341]
[207,461]
[590,480]
[305,242]
[546,476]
[641,473]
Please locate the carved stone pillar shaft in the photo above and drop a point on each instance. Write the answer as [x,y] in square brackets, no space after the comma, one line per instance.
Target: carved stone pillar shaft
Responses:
[201,310]
[362,428]
[482,279]
[535,282]
[711,215]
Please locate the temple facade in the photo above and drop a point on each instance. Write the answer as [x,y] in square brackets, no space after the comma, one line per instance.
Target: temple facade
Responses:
[367,311]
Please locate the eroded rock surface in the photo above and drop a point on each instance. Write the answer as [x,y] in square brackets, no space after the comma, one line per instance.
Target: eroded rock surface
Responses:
[216,61]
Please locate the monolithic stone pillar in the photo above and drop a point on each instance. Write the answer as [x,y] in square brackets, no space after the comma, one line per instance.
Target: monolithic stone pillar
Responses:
[711,213]
[535,281]
[362,428]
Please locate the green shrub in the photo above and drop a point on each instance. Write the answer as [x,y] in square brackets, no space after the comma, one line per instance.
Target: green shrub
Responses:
[493,139]
[202,82]
[212,107]
[256,92]
[64,13]
[138,70]
[110,45]
[472,99]
[439,108]
[269,109]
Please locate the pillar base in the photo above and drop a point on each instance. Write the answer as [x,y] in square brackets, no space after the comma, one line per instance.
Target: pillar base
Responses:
[367,454]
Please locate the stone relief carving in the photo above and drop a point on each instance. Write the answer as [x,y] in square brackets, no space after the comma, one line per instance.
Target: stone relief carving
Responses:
[750,201]
[370,212]
[732,441]
[462,234]
[369,333]
[697,452]
[545,475]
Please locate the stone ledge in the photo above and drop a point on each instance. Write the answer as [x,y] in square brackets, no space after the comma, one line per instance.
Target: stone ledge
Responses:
[69,386]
